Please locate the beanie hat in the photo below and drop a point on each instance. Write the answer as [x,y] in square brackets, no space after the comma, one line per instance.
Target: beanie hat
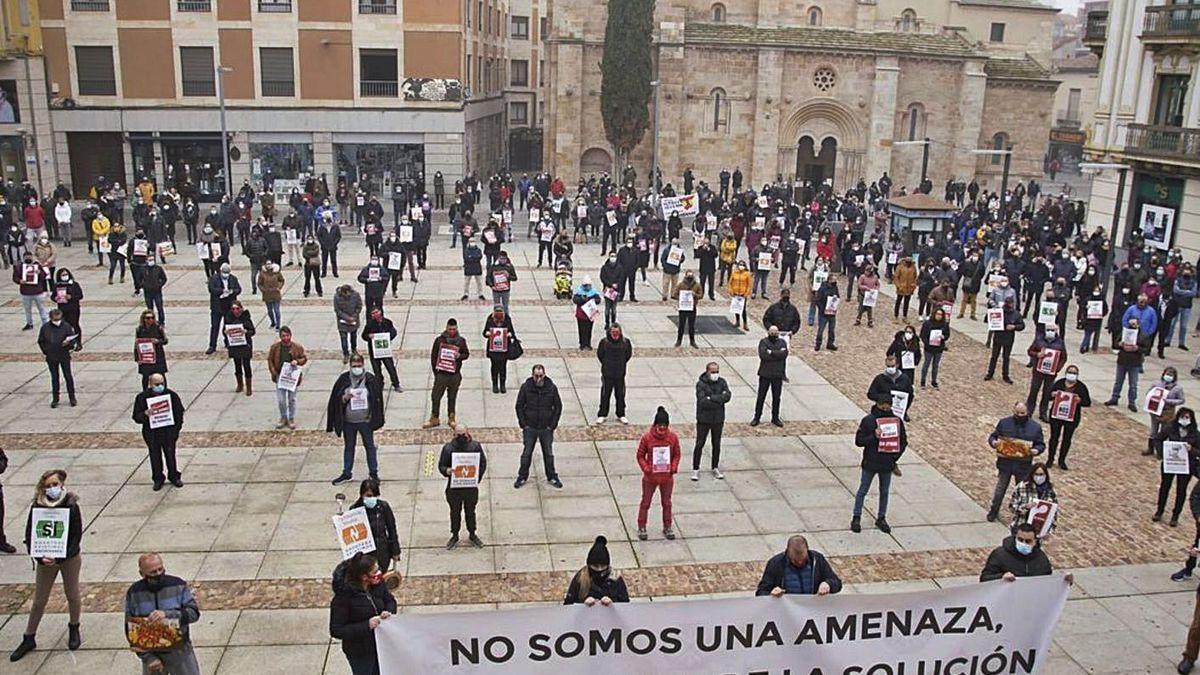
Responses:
[452,322]
[598,553]
[661,418]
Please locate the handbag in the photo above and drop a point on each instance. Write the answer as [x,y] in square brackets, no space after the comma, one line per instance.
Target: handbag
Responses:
[515,350]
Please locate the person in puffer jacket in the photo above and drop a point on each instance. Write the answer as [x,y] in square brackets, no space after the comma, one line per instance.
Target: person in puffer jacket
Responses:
[360,602]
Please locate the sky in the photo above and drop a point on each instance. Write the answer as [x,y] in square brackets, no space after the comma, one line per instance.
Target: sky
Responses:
[1069,6]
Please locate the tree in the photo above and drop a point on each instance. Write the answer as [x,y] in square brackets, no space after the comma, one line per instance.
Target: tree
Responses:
[626,72]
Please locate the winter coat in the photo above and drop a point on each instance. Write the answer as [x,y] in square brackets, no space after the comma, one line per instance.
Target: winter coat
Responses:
[1005,558]
[383,528]
[270,285]
[931,325]
[50,341]
[611,587]
[472,267]
[464,352]
[772,358]
[900,345]
[1079,389]
[782,315]
[275,360]
[614,355]
[74,530]
[739,283]
[711,398]
[140,416]
[539,407]
[247,350]
[351,610]
[160,358]
[657,437]
[873,459]
[488,324]
[446,459]
[1030,431]
[335,409]
[822,572]
[882,386]
[372,327]
[347,305]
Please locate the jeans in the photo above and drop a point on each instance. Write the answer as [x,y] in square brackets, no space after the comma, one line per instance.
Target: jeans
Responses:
[501,298]
[702,432]
[1132,373]
[823,322]
[1003,478]
[1091,339]
[29,301]
[179,661]
[154,301]
[760,283]
[287,404]
[349,342]
[55,366]
[113,262]
[932,359]
[546,438]
[460,500]
[349,432]
[273,314]
[864,486]
[1184,315]
[776,387]
[664,487]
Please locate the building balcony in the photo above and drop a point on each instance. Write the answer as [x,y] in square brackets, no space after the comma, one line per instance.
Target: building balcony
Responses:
[1178,144]
[1171,25]
[379,88]
[89,5]
[376,6]
[195,5]
[274,6]
[1067,119]
[1095,30]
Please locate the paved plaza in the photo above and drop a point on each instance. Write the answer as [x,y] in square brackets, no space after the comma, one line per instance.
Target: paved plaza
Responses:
[251,528]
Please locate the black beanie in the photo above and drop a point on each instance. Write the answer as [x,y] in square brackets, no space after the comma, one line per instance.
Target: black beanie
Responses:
[598,554]
[452,322]
[661,418]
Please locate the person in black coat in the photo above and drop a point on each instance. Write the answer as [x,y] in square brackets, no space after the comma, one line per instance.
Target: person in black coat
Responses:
[500,335]
[597,582]
[1002,341]
[153,279]
[57,339]
[159,433]
[67,293]
[783,314]
[154,334]
[377,323]
[1020,555]
[877,462]
[885,385]
[223,289]
[539,407]
[614,352]
[772,371]
[712,393]
[382,521]
[239,341]
[798,570]
[462,500]
[355,408]
[1181,429]
[360,602]
[1065,416]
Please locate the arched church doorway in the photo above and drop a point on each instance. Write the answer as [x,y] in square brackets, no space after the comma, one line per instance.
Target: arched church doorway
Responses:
[816,165]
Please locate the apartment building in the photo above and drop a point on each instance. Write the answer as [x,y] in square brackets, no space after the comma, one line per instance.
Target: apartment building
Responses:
[386,89]
[526,82]
[26,142]
[1148,118]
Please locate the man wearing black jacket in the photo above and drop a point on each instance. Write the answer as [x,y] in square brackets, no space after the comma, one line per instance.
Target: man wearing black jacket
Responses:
[1002,340]
[706,258]
[879,459]
[329,235]
[798,571]
[539,407]
[355,407]
[783,314]
[772,371]
[614,352]
[56,340]
[160,429]
[462,499]
[886,384]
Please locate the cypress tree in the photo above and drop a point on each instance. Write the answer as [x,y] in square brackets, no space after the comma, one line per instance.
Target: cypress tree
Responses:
[626,72]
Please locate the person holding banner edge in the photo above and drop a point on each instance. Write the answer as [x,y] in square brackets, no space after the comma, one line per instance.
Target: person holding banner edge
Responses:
[1020,555]
[597,582]
[798,570]
[360,602]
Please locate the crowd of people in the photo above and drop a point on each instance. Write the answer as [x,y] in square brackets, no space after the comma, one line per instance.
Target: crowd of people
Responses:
[1028,253]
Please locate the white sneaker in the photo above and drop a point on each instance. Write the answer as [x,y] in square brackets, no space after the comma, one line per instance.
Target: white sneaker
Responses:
[696,474]
[600,420]
[716,473]
[624,420]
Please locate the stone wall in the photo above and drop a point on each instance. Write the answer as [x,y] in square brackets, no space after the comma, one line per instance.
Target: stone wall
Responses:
[1024,113]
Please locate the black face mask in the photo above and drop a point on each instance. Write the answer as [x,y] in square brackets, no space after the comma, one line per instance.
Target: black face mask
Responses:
[460,441]
[1021,419]
[154,582]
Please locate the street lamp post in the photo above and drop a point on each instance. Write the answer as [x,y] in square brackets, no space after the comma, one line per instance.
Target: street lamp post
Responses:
[1007,153]
[227,169]
[654,142]
[1122,170]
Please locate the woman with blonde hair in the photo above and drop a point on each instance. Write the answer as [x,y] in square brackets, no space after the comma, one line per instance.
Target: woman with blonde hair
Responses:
[51,493]
[597,581]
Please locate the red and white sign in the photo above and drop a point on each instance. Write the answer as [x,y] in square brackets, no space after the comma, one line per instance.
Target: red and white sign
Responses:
[1064,405]
[500,281]
[889,434]
[1156,401]
[1042,513]
[1049,361]
[660,459]
[159,411]
[144,348]
[447,358]
[498,340]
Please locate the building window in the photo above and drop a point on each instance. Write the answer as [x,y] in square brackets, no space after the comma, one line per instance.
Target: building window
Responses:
[520,73]
[376,6]
[195,5]
[275,6]
[277,71]
[814,16]
[543,29]
[999,142]
[89,5]
[997,34]
[720,109]
[378,72]
[518,113]
[542,73]
[908,21]
[915,118]
[94,67]
[1170,100]
[824,78]
[520,27]
[197,71]
[718,13]
[479,22]
[1073,98]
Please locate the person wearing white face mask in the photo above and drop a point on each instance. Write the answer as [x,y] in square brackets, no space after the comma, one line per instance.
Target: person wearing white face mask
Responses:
[382,522]
[1037,487]
[356,407]
[160,428]
[712,393]
[1047,356]
[1182,429]
[1068,398]
[1172,397]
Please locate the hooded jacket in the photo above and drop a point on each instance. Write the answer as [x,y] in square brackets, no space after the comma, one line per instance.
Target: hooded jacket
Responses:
[352,608]
[347,305]
[1005,558]
[905,277]
[464,352]
[711,398]
[657,436]
[270,285]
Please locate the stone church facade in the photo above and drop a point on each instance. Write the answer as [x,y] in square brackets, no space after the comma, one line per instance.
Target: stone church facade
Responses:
[817,91]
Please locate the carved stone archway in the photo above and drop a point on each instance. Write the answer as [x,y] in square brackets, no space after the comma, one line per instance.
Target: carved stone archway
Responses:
[820,119]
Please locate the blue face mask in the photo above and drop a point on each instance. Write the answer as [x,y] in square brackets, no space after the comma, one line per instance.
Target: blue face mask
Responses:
[370,502]
[159,388]
[1023,548]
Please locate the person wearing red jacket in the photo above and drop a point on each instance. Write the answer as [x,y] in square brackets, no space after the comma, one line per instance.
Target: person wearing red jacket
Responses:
[658,455]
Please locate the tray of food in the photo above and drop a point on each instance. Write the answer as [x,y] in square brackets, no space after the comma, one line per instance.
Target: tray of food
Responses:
[153,636]
[1012,448]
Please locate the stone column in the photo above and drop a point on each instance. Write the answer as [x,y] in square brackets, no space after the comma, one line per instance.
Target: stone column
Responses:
[672,102]
[970,118]
[883,117]
[323,161]
[767,92]
[565,98]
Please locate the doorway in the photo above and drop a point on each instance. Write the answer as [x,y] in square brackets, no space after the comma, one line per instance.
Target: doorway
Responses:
[816,165]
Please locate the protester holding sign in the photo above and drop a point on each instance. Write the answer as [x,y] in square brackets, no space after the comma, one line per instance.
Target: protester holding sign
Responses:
[868,295]
[894,386]
[1161,400]
[53,531]
[672,261]
[160,412]
[1016,439]
[882,436]
[501,343]
[355,408]
[239,341]
[270,285]
[160,600]
[379,333]
[1048,354]
[57,340]
[935,333]
[1034,488]
[382,522]
[31,279]
[285,361]
[1092,310]
[658,455]
[464,464]
[149,340]
[739,295]
[597,582]
[772,373]
[347,308]
[827,300]
[1068,398]
[500,275]
[1134,344]
[1020,555]
[374,278]
[223,290]
[614,352]
[67,293]
[360,602]
[712,394]
[1011,323]
[688,293]
[1177,445]
[449,351]
[798,570]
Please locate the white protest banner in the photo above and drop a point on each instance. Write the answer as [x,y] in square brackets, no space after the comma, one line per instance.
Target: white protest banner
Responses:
[416,213]
[202,250]
[995,319]
[293,237]
[1175,458]
[353,532]
[49,532]
[507,216]
[160,412]
[1047,312]
[908,360]
[581,211]
[1129,336]
[976,627]
[683,205]
[289,377]
[1156,401]
[765,259]
[141,247]
[611,216]
[899,402]
[381,346]
[464,469]
[535,215]
[675,255]
[590,309]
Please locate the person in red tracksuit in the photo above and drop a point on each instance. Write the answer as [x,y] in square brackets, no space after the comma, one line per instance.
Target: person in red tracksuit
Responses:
[661,444]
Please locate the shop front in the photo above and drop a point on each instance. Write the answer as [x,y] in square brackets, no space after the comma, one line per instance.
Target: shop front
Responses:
[283,164]
[12,159]
[1154,207]
[379,167]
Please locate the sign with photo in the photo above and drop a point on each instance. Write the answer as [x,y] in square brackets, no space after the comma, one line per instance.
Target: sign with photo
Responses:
[1158,223]
[10,110]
